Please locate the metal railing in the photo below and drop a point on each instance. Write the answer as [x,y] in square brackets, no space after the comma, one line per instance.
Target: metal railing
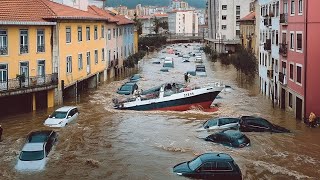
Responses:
[3,50]
[284,18]
[283,49]
[267,45]
[29,82]
[41,48]
[24,49]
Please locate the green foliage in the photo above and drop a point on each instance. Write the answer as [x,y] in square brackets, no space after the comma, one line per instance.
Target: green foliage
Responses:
[133,59]
[150,42]
[213,55]
[164,25]
[156,22]
[138,24]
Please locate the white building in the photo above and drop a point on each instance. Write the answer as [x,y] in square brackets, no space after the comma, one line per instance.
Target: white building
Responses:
[82,4]
[148,23]
[183,22]
[223,29]
[269,48]
[179,5]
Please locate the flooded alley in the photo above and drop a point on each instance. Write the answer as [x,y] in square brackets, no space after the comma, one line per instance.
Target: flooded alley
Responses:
[104,143]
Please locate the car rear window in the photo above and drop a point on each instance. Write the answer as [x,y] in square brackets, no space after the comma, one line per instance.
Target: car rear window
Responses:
[223,166]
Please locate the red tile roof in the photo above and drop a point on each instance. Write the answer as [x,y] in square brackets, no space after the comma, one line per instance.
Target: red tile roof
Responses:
[41,11]
[123,20]
[101,12]
[250,17]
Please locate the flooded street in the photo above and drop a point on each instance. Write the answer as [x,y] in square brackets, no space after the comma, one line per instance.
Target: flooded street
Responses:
[104,143]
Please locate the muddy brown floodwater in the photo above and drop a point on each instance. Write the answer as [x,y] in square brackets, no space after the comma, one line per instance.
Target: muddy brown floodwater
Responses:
[110,144]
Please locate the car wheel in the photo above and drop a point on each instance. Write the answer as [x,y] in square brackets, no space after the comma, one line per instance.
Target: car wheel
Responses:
[66,124]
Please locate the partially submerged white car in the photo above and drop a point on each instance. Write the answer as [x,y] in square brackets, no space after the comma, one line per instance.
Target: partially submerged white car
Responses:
[62,116]
[220,124]
[33,156]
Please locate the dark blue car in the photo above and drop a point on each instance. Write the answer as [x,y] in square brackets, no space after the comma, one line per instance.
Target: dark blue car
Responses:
[233,138]
[135,78]
[210,166]
[128,88]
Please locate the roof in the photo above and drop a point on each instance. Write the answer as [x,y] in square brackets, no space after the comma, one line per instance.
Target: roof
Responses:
[66,108]
[33,147]
[215,156]
[101,12]
[250,17]
[123,20]
[41,11]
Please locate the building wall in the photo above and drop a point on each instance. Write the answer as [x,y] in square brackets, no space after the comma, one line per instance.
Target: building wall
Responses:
[13,58]
[247,34]
[136,41]
[74,48]
[313,55]
[179,22]
[111,44]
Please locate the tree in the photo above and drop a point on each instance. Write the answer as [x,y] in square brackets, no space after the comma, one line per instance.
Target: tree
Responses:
[137,24]
[156,22]
[164,25]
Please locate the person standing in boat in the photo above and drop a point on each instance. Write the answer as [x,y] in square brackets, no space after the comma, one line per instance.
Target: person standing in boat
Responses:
[186,77]
[189,77]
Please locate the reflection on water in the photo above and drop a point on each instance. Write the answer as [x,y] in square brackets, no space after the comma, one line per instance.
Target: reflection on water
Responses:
[110,144]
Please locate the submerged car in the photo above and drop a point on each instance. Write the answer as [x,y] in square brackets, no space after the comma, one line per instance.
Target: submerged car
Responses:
[233,138]
[135,78]
[220,124]
[33,156]
[201,70]
[258,124]
[128,88]
[62,116]
[210,166]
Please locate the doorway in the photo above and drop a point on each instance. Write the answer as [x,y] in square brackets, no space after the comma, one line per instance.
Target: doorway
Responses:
[283,99]
[298,108]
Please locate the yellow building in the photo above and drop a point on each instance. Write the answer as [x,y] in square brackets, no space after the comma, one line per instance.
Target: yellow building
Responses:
[136,41]
[27,80]
[247,31]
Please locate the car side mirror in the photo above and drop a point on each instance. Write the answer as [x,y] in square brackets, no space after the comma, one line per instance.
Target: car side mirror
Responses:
[69,117]
[206,127]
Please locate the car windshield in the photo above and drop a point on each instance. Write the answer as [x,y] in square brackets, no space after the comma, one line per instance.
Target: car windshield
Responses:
[200,69]
[135,76]
[58,115]
[194,164]
[210,123]
[241,139]
[126,88]
[31,155]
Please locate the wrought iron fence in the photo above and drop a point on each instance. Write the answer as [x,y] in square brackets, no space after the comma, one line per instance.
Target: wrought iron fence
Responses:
[41,48]
[29,82]
[24,49]
[3,50]
[284,18]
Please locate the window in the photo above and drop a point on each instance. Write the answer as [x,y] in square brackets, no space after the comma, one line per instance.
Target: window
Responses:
[238,11]
[68,34]
[224,7]
[206,167]
[292,7]
[290,100]
[120,31]
[3,42]
[224,27]
[109,55]
[102,31]
[277,38]
[299,41]
[224,166]
[41,68]
[291,41]
[224,17]
[88,33]
[300,7]
[80,62]
[238,33]
[109,34]
[24,41]
[69,64]
[40,40]
[96,56]
[299,79]
[291,72]
[102,54]
[95,32]
[114,32]
[3,73]
[79,34]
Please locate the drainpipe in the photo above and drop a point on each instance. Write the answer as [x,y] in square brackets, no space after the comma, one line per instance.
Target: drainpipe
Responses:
[305,56]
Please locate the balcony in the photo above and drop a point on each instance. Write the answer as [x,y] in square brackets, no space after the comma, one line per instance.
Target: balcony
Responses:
[270,73]
[267,21]
[24,49]
[30,84]
[282,78]
[267,45]
[3,50]
[283,49]
[40,48]
[284,19]
[111,64]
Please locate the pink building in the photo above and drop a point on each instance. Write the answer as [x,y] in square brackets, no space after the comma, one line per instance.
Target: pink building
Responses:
[292,56]
[312,51]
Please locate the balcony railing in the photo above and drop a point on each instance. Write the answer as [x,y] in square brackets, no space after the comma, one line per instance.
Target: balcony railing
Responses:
[267,45]
[282,78]
[270,73]
[40,48]
[29,82]
[283,49]
[267,21]
[3,50]
[24,49]
[284,18]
